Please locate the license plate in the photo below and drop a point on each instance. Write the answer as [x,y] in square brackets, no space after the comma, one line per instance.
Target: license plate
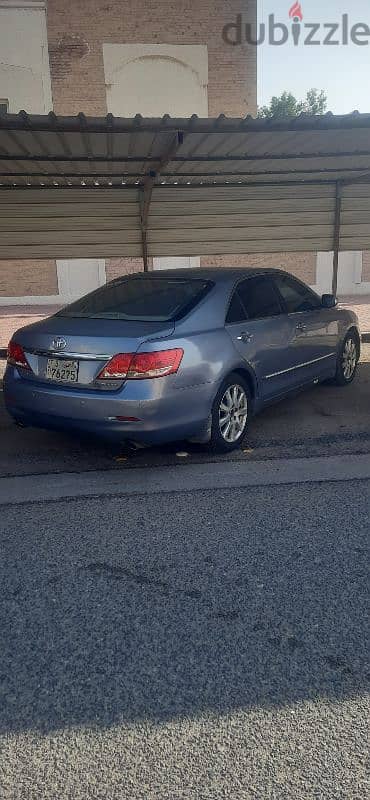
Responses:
[61,370]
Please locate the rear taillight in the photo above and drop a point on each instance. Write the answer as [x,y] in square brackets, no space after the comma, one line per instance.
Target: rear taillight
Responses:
[16,356]
[117,367]
[131,366]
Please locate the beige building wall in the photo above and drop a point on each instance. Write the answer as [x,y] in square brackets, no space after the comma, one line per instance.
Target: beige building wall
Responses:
[303,265]
[28,278]
[366,266]
[115,267]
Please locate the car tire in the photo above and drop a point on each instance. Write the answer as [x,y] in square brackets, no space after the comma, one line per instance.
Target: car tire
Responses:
[230,414]
[348,359]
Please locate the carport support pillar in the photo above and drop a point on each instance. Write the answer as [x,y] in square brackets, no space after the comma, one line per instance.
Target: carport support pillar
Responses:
[145,251]
[145,198]
[147,191]
[336,241]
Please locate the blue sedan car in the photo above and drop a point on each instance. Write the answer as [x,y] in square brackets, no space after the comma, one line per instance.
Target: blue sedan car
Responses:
[178,354]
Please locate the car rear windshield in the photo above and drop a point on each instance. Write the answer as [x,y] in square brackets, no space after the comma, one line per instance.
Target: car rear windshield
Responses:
[148,299]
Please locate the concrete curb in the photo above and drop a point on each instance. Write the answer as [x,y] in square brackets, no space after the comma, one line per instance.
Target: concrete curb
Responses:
[187,478]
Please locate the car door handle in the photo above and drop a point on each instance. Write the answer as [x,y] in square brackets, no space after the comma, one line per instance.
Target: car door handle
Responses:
[301,327]
[245,337]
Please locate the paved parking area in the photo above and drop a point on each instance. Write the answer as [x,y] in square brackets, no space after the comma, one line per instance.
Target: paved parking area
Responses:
[323,421]
[361,307]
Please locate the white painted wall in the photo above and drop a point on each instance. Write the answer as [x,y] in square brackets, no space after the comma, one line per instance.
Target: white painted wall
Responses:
[78,276]
[156,79]
[24,57]
[349,274]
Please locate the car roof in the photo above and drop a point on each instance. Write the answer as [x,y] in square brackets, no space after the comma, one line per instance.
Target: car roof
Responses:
[216,274]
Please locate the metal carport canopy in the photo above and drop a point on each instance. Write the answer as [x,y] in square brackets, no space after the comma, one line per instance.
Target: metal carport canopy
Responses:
[73,187]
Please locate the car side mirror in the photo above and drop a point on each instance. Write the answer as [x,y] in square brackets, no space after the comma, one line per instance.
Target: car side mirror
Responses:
[329,301]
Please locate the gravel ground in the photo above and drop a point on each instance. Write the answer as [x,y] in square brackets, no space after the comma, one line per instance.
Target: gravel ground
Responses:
[205,645]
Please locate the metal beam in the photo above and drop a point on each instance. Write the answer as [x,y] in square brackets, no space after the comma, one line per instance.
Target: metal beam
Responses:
[365,178]
[186,186]
[336,237]
[179,159]
[147,191]
[256,173]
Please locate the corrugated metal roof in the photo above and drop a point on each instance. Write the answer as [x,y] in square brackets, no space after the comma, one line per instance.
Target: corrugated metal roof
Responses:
[72,186]
[50,151]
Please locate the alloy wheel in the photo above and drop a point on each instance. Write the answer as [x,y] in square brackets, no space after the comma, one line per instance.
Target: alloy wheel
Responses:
[233,413]
[349,359]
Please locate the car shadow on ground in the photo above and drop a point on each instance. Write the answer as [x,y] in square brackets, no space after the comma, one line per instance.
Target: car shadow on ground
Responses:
[162,607]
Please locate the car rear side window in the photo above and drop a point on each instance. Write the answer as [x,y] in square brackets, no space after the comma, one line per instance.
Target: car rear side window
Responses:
[297,297]
[149,299]
[259,298]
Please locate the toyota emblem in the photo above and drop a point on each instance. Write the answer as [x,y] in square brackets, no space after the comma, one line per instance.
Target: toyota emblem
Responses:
[59,343]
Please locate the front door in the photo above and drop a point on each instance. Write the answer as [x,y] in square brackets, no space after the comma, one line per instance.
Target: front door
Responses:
[314,332]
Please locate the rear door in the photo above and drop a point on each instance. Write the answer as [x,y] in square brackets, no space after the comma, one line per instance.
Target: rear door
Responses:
[261,333]
[313,343]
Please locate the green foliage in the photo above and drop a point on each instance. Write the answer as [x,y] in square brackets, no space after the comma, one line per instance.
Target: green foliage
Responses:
[288,106]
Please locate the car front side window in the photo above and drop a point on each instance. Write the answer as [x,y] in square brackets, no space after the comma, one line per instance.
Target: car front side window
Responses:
[260,298]
[296,296]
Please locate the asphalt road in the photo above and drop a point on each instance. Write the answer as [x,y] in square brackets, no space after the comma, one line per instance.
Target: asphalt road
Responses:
[211,644]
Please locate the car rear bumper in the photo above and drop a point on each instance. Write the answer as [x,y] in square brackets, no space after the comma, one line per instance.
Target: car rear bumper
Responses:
[158,418]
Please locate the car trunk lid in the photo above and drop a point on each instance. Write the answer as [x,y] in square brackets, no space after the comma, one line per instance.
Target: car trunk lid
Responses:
[86,343]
